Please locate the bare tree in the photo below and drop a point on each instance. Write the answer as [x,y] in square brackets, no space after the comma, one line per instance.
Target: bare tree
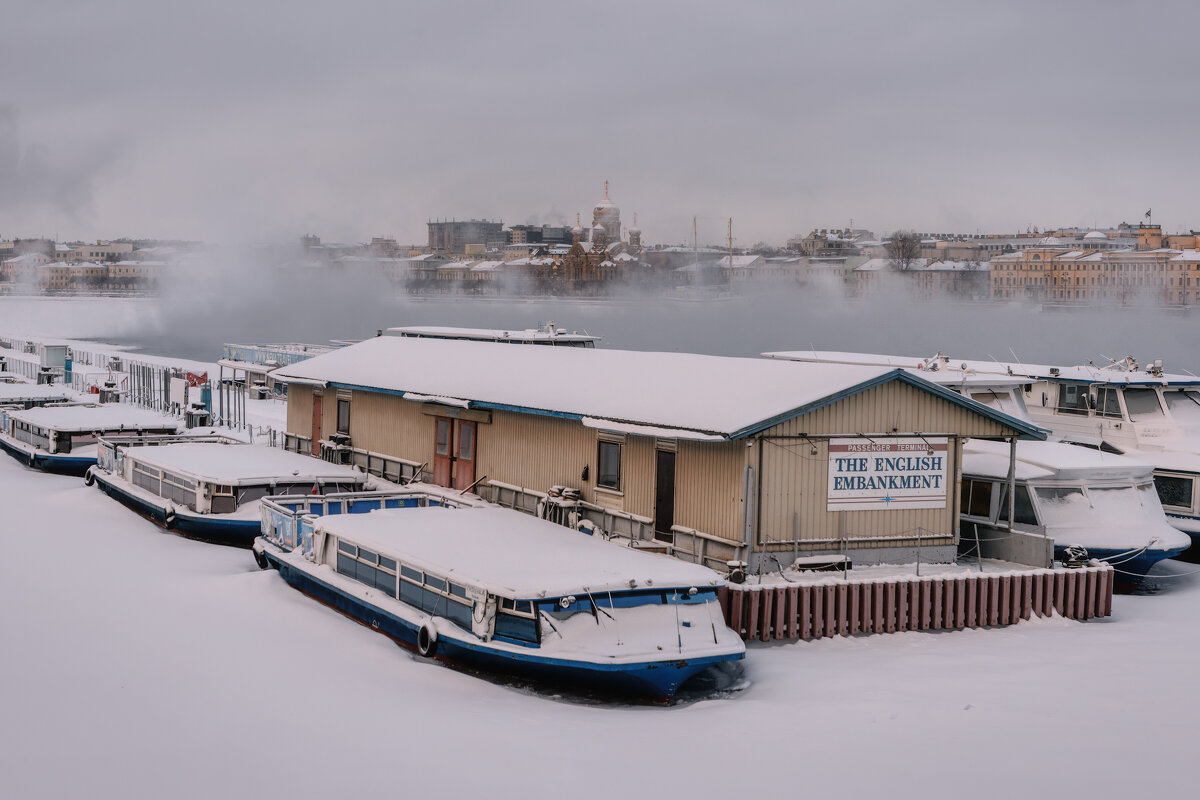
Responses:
[903,248]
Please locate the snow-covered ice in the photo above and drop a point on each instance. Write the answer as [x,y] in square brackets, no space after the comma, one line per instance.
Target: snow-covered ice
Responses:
[141,664]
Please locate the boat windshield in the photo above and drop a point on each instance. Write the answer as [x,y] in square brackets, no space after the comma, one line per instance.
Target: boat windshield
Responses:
[568,606]
[1068,507]
[1004,401]
[1142,404]
[1184,404]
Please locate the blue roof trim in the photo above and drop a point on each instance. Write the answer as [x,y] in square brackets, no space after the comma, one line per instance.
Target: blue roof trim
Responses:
[1026,430]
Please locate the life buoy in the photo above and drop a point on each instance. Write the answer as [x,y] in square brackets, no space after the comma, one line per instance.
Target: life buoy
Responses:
[427,640]
[260,558]
[88,478]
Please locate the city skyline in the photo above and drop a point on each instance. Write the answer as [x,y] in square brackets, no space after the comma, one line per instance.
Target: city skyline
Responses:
[233,123]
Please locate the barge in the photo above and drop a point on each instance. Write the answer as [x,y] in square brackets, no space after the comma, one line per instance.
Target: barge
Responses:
[502,591]
[209,487]
[64,439]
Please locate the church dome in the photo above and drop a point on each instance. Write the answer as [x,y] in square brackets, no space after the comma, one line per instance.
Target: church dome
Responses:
[1095,235]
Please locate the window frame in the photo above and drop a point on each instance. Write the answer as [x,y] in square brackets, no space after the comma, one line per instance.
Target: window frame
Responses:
[601,445]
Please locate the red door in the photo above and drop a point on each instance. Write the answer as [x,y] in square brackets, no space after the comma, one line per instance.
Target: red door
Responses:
[464,459]
[442,458]
[316,426]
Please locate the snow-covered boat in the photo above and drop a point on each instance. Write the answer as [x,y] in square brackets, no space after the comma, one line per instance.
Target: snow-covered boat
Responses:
[209,487]
[33,395]
[504,591]
[64,438]
[1144,413]
[1073,496]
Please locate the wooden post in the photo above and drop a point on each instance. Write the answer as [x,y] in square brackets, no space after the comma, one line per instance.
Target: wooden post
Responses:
[768,602]
[877,617]
[753,615]
[1005,599]
[972,599]
[793,612]
[778,630]
[805,593]
[855,591]
[830,611]
[737,599]
[818,611]
[938,615]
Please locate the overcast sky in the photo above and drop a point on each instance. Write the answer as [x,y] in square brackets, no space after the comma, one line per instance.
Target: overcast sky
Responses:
[261,121]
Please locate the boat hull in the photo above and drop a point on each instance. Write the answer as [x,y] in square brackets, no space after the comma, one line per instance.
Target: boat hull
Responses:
[204,527]
[654,679]
[1128,571]
[49,462]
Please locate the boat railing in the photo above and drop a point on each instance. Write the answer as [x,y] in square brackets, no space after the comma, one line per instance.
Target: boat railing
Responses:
[287,519]
[390,468]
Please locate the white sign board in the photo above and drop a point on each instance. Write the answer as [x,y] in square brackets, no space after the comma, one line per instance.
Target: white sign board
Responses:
[874,474]
[179,388]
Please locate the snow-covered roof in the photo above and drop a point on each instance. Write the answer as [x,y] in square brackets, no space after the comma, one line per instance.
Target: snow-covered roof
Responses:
[242,464]
[510,553]
[13,392]
[109,417]
[1056,460]
[1095,235]
[730,397]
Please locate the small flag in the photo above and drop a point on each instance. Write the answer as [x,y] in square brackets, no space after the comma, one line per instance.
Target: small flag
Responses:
[315,490]
[1147,213]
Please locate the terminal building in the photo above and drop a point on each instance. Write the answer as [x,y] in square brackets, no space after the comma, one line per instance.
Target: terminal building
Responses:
[708,458]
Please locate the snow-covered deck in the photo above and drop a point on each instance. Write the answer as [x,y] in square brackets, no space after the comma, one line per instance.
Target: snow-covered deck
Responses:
[240,464]
[109,417]
[512,554]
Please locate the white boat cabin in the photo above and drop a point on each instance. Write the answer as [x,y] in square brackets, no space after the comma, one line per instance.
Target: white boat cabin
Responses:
[220,477]
[68,429]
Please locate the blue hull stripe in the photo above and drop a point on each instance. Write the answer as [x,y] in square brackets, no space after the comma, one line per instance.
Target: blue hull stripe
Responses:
[50,462]
[235,532]
[653,678]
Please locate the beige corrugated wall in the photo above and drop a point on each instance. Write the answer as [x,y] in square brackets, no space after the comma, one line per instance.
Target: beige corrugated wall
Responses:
[537,452]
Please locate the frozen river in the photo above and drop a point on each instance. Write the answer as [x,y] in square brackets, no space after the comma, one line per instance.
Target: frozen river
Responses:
[140,664]
[194,325]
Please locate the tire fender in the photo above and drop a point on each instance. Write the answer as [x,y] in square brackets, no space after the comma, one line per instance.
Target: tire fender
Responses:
[88,478]
[260,558]
[427,640]
[169,518]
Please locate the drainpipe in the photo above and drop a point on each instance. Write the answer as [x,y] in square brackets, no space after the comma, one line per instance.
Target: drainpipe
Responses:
[1012,480]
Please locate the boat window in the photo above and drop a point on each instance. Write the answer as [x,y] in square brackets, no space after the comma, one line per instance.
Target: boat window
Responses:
[1023,513]
[518,606]
[368,556]
[977,498]
[435,583]
[516,629]
[1072,398]
[1174,490]
[1107,402]
[1063,505]
[247,494]
[1184,404]
[1142,404]
[1004,401]
[1149,496]
[387,563]
[1121,505]
[609,471]
[410,573]
[458,591]
[346,547]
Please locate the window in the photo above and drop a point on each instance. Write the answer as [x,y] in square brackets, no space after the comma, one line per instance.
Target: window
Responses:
[1184,405]
[1072,398]
[1174,490]
[466,442]
[442,443]
[609,471]
[343,415]
[977,498]
[1023,513]
[1107,403]
[1142,404]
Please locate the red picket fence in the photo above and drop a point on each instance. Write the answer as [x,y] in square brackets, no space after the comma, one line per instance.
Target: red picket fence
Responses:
[940,602]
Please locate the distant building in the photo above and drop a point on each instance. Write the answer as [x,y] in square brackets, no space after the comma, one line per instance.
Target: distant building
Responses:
[925,277]
[454,236]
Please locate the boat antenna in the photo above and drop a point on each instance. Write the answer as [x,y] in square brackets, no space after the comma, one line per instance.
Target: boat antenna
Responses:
[1017,359]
